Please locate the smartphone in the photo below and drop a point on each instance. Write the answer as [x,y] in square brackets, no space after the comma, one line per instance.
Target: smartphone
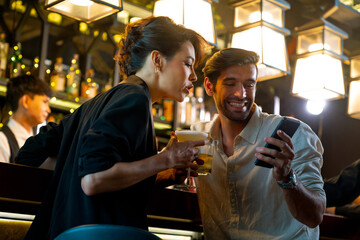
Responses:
[289,126]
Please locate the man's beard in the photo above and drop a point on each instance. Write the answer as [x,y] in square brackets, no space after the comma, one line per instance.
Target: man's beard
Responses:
[233,116]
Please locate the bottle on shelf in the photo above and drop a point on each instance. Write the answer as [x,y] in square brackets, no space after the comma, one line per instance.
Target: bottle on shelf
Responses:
[200,105]
[89,88]
[168,106]
[181,111]
[57,77]
[190,108]
[73,78]
[157,109]
[4,48]
[15,61]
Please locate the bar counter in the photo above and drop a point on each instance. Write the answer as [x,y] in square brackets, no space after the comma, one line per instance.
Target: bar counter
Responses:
[22,189]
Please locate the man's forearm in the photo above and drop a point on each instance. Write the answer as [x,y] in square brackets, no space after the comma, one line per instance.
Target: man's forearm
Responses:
[305,205]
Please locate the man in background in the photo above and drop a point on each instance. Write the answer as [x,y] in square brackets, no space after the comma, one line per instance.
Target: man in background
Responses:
[239,200]
[28,98]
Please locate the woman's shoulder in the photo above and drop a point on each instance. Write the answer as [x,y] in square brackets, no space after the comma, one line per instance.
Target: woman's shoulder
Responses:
[133,86]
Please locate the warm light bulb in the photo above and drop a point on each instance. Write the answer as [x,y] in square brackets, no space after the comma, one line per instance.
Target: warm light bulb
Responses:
[318,46]
[83,3]
[256,16]
[315,107]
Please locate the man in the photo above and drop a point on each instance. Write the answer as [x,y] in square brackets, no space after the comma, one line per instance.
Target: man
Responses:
[28,98]
[239,200]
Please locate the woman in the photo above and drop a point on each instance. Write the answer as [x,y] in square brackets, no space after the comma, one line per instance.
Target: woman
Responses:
[106,152]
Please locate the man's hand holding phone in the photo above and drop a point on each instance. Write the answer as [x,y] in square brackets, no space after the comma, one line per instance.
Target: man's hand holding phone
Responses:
[278,152]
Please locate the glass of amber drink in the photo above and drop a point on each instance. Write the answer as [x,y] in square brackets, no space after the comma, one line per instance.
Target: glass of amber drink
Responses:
[205,152]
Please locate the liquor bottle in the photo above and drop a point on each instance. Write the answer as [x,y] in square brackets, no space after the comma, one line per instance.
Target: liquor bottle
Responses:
[57,77]
[89,88]
[190,108]
[15,61]
[73,77]
[157,109]
[168,106]
[182,111]
[4,48]
[200,105]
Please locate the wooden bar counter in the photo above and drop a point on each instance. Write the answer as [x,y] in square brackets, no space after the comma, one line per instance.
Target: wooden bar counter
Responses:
[22,188]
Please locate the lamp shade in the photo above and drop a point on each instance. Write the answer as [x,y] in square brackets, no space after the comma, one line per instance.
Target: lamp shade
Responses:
[194,14]
[84,10]
[259,27]
[354,99]
[355,67]
[318,69]
[318,76]
[354,88]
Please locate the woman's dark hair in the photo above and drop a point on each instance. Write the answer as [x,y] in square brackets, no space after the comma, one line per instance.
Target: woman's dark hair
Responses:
[26,84]
[226,58]
[155,33]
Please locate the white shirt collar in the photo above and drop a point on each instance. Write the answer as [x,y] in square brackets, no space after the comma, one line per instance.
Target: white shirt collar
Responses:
[18,130]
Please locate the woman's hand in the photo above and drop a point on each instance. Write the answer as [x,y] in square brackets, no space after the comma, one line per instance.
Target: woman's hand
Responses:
[182,155]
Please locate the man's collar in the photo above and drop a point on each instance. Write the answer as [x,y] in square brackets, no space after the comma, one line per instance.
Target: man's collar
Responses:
[252,128]
[249,133]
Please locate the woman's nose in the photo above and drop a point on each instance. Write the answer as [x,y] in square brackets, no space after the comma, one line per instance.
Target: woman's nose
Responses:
[193,76]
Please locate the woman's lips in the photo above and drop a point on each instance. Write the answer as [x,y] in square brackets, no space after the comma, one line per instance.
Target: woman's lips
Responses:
[188,88]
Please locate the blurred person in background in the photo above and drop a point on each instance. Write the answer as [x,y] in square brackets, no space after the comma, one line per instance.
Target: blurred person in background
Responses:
[28,98]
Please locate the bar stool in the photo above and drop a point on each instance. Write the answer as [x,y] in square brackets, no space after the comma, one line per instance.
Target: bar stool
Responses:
[106,232]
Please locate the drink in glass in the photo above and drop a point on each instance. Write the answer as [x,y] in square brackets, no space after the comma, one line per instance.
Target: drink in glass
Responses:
[205,152]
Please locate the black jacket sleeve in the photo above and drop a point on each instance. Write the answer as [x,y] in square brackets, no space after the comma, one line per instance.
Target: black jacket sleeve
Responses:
[38,148]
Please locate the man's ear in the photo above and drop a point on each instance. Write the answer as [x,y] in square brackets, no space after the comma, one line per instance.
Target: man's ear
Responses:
[209,87]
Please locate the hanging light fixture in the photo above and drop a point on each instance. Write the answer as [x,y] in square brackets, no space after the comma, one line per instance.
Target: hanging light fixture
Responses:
[194,14]
[318,69]
[354,89]
[84,10]
[259,27]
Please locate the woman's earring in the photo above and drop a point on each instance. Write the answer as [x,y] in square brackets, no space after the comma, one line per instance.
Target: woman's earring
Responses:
[157,70]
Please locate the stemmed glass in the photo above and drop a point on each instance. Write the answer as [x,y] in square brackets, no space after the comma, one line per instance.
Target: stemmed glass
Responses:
[188,135]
